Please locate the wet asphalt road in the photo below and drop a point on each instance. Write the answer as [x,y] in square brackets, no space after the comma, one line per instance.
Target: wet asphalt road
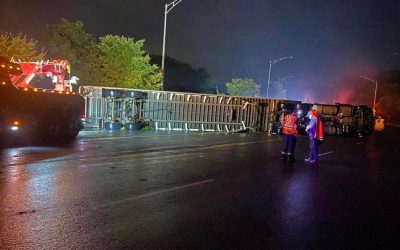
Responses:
[160,190]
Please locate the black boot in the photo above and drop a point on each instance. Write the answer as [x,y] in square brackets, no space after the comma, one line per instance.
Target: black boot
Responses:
[284,157]
[291,158]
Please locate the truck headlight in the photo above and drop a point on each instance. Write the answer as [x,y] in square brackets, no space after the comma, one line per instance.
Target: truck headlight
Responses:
[15,125]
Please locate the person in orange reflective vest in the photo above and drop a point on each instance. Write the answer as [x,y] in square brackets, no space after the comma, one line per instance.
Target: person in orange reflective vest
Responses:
[379,124]
[315,134]
[289,130]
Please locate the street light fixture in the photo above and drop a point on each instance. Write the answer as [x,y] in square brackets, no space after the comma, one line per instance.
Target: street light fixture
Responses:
[168,8]
[376,89]
[270,65]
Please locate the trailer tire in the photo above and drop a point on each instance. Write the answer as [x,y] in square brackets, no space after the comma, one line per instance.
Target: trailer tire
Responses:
[330,130]
[136,94]
[133,126]
[112,126]
[112,93]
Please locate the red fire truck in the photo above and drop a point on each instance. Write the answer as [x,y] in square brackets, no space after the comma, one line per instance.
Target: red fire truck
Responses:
[50,74]
[30,111]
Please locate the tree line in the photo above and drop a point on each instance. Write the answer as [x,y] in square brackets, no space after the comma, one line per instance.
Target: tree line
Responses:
[114,61]
[388,95]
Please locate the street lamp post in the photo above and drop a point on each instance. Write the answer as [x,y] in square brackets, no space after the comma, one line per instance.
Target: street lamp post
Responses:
[376,90]
[270,66]
[168,8]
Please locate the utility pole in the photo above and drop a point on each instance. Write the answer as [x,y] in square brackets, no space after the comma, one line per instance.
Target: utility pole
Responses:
[272,62]
[168,8]
[376,90]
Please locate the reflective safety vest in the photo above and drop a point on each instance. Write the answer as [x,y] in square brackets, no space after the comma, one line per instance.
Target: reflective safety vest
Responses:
[289,124]
[379,124]
[319,133]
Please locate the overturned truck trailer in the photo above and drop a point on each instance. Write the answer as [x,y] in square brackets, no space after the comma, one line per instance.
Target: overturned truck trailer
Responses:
[116,108]
[346,119]
[119,108]
[337,119]
[30,114]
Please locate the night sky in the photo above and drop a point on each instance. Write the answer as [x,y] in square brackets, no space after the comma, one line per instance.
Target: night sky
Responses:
[330,40]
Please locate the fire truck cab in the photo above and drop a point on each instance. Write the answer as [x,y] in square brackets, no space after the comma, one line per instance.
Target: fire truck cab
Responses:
[50,74]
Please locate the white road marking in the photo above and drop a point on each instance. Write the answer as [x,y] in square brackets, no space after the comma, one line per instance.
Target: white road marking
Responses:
[130,136]
[103,138]
[326,153]
[155,193]
[361,142]
[124,137]
[394,125]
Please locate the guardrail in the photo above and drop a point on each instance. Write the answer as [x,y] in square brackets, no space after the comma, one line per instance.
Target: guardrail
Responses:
[165,110]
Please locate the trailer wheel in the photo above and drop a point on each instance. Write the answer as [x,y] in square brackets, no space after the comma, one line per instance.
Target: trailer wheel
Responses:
[136,94]
[330,130]
[112,126]
[133,126]
[369,122]
[113,93]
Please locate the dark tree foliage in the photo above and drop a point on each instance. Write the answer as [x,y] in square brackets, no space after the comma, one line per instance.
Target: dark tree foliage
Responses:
[20,47]
[388,96]
[68,40]
[391,76]
[180,76]
[243,87]
[112,61]
[359,91]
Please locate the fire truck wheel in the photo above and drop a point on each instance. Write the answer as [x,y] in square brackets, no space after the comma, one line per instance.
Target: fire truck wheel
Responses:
[1,139]
[32,125]
[53,128]
[2,124]
[72,127]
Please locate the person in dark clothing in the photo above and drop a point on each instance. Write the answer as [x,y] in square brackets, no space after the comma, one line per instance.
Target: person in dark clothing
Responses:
[315,134]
